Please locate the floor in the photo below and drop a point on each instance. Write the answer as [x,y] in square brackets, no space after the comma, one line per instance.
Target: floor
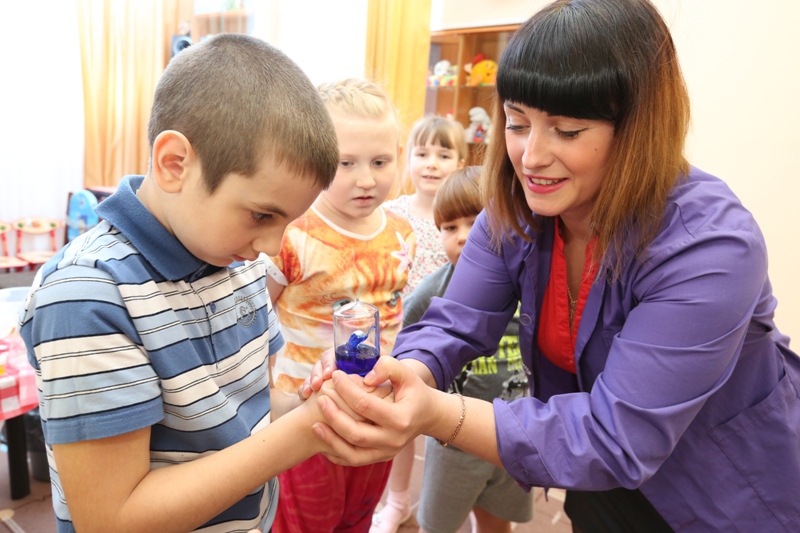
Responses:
[32,514]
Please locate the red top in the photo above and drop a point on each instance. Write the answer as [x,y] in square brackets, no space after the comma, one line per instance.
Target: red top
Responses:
[555,339]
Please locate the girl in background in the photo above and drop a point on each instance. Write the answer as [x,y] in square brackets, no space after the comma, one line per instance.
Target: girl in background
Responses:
[436,147]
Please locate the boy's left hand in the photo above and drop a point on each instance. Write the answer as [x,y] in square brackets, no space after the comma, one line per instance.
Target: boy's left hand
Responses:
[320,373]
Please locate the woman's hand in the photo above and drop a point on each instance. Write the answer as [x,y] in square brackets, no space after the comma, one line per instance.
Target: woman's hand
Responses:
[382,391]
[388,426]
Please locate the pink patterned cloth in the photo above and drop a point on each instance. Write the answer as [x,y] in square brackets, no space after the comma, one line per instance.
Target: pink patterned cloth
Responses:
[430,254]
[18,393]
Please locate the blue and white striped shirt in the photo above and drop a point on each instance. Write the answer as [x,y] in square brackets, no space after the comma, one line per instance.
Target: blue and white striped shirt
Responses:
[126,329]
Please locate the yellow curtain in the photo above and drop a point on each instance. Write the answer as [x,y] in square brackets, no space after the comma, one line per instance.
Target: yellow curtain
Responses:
[398,45]
[124,49]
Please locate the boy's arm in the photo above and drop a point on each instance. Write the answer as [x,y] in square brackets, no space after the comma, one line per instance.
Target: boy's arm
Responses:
[275,289]
[109,486]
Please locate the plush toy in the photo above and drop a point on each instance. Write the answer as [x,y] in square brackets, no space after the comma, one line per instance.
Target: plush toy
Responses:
[444,73]
[483,73]
[441,68]
[480,56]
[479,124]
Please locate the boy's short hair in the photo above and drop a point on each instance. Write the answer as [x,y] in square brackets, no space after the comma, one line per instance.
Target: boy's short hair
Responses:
[458,197]
[237,99]
[360,98]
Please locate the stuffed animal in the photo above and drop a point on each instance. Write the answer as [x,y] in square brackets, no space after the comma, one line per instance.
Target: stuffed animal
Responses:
[479,124]
[444,73]
[483,73]
[480,56]
[441,68]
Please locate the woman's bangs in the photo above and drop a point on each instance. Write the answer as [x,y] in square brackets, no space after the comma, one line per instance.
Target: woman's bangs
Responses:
[561,75]
[569,97]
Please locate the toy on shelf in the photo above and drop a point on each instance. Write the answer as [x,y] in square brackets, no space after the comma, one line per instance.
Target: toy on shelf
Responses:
[480,56]
[479,124]
[444,74]
[483,73]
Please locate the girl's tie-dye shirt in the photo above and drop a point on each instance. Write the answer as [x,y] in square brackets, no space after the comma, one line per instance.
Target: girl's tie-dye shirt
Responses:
[323,267]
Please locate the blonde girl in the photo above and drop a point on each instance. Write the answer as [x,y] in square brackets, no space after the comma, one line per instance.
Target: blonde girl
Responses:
[346,247]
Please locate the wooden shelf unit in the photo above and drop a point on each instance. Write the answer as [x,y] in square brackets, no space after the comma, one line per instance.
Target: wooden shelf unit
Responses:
[459,47]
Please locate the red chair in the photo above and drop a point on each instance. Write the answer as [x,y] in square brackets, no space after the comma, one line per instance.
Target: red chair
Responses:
[36,226]
[8,262]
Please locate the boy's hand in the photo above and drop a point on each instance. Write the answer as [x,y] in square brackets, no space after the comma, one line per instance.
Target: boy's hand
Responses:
[383,391]
[321,372]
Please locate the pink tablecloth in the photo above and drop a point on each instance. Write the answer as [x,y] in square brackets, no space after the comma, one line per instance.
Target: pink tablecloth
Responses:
[18,393]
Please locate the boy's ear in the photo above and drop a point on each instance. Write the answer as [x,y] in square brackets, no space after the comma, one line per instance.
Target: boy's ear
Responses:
[173,158]
[462,163]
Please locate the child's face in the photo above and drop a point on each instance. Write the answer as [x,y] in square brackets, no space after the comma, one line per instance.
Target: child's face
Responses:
[244,216]
[454,235]
[368,151]
[430,164]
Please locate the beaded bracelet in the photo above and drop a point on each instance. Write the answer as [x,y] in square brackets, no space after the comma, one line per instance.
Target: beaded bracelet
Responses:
[458,426]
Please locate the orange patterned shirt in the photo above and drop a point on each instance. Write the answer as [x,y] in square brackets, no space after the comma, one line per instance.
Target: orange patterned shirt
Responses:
[322,266]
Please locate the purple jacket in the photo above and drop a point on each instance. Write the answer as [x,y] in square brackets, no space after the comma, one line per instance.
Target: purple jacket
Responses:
[685,388]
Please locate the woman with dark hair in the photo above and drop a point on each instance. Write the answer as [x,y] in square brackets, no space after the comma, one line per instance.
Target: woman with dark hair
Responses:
[663,396]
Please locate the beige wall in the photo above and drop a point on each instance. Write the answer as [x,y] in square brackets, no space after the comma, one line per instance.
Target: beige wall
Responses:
[741,60]
[741,63]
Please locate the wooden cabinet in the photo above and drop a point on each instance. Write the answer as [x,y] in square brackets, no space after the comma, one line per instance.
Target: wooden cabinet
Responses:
[455,96]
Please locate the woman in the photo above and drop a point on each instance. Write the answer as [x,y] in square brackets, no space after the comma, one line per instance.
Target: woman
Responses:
[664,398]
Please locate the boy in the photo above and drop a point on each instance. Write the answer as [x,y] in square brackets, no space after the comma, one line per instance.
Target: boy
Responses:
[150,334]
[454,482]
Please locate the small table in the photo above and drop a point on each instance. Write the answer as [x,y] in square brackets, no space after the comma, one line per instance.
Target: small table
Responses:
[18,395]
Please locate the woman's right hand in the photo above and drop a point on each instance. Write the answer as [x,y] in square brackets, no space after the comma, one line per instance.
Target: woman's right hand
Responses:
[388,425]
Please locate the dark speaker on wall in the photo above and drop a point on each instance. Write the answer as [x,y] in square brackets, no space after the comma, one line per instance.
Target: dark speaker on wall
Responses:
[179,42]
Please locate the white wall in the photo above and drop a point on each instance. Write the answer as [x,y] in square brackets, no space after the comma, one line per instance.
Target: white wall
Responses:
[742,64]
[41,110]
[326,39]
[452,14]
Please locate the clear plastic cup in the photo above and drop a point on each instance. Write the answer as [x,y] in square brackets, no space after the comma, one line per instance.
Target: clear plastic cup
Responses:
[356,335]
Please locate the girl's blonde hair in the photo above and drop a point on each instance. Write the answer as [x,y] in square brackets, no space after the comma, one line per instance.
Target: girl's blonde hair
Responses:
[360,98]
[438,130]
